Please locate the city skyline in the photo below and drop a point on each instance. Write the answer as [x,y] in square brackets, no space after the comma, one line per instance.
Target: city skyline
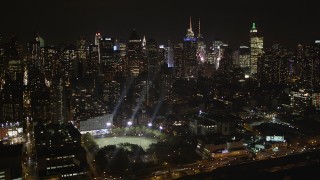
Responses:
[289,23]
[239,99]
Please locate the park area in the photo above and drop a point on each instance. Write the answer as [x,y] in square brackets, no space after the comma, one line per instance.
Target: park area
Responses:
[144,142]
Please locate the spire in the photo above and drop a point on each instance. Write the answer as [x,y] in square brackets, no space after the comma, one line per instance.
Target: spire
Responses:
[253,28]
[253,25]
[144,41]
[199,32]
[190,24]
[189,31]
[199,27]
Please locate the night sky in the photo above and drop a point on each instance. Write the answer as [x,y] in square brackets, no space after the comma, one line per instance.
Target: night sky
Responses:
[63,21]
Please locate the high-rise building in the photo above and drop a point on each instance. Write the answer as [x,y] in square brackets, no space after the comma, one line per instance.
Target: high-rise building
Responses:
[169,56]
[107,57]
[59,152]
[52,64]
[242,57]
[2,66]
[134,54]
[68,58]
[273,66]
[256,48]
[201,47]
[34,56]
[93,61]
[111,94]
[58,105]
[225,62]
[81,57]
[190,53]
[11,99]
[178,60]
[217,52]
[152,57]
[310,65]
[300,100]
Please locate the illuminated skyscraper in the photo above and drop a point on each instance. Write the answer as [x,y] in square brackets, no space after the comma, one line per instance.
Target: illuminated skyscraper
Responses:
[111,94]
[93,61]
[123,58]
[34,56]
[52,64]
[169,55]
[97,38]
[256,48]
[226,58]
[68,57]
[134,54]
[152,57]
[201,52]
[107,59]
[189,53]
[244,57]
[217,52]
[310,64]
[97,43]
[178,60]
[275,66]
[81,57]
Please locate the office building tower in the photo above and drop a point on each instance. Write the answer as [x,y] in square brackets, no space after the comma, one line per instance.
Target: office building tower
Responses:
[201,48]
[169,56]
[111,94]
[300,100]
[256,48]
[68,58]
[152,58]
[217,52]
[11,101]
[93,61]
[274,66]
[58,105]
[134,54]
[81,60]
[52,64]
[225,63]
[107,57]
[189,53]
[178,60]
[59,152]
[243,57]
[310,65]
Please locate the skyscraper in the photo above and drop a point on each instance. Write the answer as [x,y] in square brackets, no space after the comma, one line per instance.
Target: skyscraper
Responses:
[178,60]
[106,49]
[201,52]
[152,57]
[256,48]
[310,65]
[217,52]
[189,53]
[81,57]
[93,61]
[134,54]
